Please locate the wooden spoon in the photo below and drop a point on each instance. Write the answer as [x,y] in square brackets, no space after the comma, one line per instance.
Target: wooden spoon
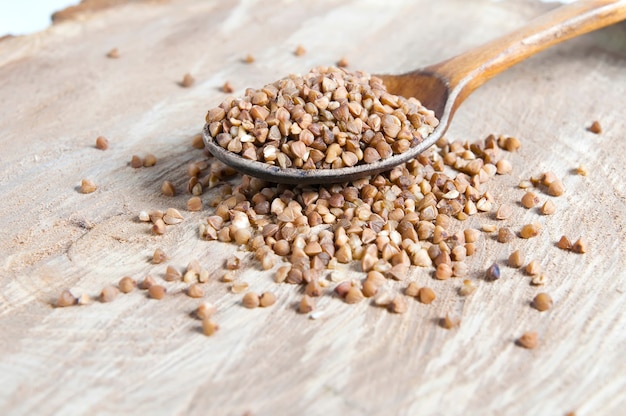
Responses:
[444,86]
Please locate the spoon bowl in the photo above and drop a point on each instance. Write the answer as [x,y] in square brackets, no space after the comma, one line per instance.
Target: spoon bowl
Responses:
[444,86]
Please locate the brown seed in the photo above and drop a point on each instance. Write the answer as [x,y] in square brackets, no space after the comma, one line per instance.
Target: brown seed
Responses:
[426,295]
[299,50]
[238,287]
[281,273]
[548,208]
[267,299]
[343,62]
[542,302]
[443,272]
[84,299]
[547,178]
[528,340]
[370,288]
[195,291]
[313,288]
[187,81]
[158,227]
[397,305]
[171,274]
[197,142]
[127,284]
[249,59]
[194,204]
[159,256]
[136,162]
[233,263]
[205,310]
[306,304]
[354,295]
[449,323]
[147,282]
[529,200]
[471,235]
[190,276]
[102,143]
[504,167]
[492,273]
[504,212]
[155,215]
[516,259]
[580,246]
[467,289]
[530,230]
[564,243]
[538,280]
[87,186]
[511,144]
[556,188]
[489,228]
[505,235]
[412,289]
[533,268]
[156,292]
[113,53]
[582,170]
[595,127]
[209,327]
[167,188]
[172,217]
[150,160]
[109,293]
[227,88]
[251,300]
[460,269]
[66,299]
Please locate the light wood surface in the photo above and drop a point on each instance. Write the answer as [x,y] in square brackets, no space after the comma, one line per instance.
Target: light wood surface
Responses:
[58,92]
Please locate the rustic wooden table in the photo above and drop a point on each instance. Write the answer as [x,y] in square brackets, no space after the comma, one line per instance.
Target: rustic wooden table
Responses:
[137,356]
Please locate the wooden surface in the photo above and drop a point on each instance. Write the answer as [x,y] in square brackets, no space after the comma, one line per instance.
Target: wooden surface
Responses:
[58,92]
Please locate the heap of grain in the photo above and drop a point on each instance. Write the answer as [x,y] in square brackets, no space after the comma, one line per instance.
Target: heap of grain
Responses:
[328,118]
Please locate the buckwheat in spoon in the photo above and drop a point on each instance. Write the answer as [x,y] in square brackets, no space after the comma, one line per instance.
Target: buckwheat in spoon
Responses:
[332,125]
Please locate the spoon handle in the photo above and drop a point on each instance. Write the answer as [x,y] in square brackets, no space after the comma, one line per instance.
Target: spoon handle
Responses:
[470,70]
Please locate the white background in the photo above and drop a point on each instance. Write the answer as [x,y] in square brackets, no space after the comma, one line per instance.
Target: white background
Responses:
[19,17]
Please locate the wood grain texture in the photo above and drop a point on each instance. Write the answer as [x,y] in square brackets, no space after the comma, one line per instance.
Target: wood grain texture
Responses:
[58,92]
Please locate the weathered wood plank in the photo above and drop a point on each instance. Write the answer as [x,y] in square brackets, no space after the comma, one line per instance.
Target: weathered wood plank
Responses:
[58,92]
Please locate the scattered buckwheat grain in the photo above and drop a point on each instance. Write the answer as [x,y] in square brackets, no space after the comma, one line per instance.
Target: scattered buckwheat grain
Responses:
[492,273]
[102,143]
[127,284]
[109,293]
[426,295]
[156,292]
[595,127]
[66,299]
[209,327]
[299,50]
[113,53]
[580,246]
[542,302]
[136,162]
[250,300]
[87,186]
[149,161]
[187,81]
[528,340]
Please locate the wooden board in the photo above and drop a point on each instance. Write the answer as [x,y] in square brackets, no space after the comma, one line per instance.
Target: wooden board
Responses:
[58,92]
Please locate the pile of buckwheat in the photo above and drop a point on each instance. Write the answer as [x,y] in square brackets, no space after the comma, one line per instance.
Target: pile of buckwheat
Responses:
[327,119]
